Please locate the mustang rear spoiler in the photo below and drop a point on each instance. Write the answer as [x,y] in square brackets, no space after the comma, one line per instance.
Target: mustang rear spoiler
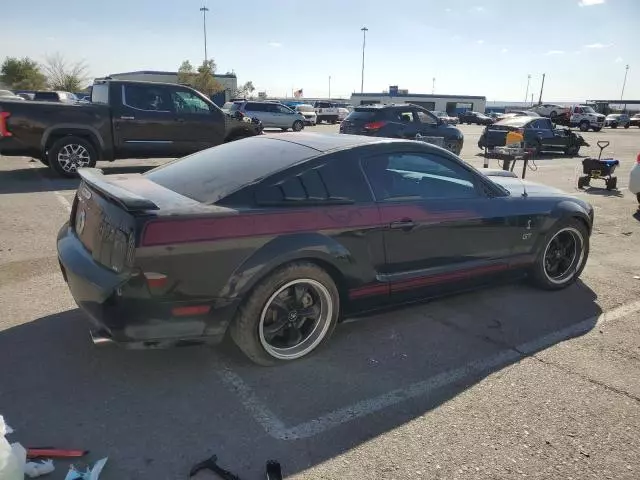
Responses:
[125,198]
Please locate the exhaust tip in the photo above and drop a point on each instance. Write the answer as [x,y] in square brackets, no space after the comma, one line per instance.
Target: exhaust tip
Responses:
[101,337]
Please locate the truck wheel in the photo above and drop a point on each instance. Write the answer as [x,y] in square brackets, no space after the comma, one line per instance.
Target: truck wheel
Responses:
[68,154]
[572,151]
[627,126]
[297,126]
[584,126]
[614,125]
[553,114]
[597,129]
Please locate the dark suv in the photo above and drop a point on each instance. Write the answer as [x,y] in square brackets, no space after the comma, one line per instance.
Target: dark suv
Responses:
[402,121]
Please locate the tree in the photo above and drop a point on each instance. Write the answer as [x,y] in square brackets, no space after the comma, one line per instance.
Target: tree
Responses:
[245,90]
[22,74]
[203,79]
[64,75]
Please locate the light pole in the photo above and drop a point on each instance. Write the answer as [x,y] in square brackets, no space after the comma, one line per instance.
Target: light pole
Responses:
[541,88]
[364,41]
[624,83]
[433,86]
[204,11]
[329,87]
[526,95]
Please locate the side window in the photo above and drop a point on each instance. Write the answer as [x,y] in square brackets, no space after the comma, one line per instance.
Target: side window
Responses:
[546,124]
[415,176]
[283,109]
[425,118]
[338,181]
[404,116]
[185,101]
[147,97]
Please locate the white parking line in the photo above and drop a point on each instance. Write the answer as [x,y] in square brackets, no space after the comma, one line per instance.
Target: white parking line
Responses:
[62,200]
[277,429]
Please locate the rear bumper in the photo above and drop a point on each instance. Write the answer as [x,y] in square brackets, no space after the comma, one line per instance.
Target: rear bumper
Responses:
[120,307]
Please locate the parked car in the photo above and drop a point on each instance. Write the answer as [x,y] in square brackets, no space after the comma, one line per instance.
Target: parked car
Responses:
[616,120]
[549,109]
[635,120]
[446,118]
[539,134]
[478,118]
[634,180]
[343,113]
[9,95]
[309,113]
[326,112]
[126,119]
[275,253]
[271,114]
[48,96]
[401,121]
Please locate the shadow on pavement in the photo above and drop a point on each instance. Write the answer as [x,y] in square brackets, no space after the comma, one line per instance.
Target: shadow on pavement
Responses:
[43,179]
[156,413]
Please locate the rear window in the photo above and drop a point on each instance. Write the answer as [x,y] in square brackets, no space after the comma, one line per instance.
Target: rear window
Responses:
[46,96]
[210,175]
[362,115]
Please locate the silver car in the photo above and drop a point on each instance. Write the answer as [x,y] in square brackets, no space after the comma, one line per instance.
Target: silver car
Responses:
[616,120]
[271,114]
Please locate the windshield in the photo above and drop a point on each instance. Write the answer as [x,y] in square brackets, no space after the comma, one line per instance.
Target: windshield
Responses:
[438,113]
[588,109]
[234,106]
[305,108]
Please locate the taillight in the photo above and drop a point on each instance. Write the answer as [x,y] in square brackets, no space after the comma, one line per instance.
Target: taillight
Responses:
[155,280]
[190,310]
[374,125]
[4,131]
[638,159]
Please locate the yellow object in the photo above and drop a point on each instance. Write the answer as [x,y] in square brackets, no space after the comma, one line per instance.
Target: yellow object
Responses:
[514,138]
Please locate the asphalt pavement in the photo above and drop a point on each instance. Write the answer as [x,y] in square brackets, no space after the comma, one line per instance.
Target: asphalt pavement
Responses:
[508,382]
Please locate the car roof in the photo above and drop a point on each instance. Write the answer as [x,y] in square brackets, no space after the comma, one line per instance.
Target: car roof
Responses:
[516,121]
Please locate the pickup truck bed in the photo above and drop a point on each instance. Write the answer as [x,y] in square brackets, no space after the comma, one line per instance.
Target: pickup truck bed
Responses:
[124,120]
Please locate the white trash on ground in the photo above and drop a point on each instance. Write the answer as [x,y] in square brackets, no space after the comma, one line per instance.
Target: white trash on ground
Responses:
[93,474]
[37,469]
[12,457]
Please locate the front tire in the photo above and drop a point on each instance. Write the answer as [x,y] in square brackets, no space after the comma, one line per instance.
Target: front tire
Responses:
[562,256]
[68,154]
[584,126]
[288,315]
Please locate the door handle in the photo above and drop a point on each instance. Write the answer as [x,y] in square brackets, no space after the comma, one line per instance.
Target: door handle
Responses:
[124,117]
[404,224]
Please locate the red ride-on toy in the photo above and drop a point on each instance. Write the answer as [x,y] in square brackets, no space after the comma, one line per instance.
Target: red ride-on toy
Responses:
[599,168]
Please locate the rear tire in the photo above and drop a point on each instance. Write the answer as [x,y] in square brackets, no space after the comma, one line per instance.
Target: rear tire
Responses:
[249,329]
[69,153]
[562,256]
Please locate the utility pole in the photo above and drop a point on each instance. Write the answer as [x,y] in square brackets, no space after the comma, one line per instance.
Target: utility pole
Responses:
[433,86]
[532,99]
[329,87]
[364,41]
[541,88]
[204,11]
[624,83]
[526,95]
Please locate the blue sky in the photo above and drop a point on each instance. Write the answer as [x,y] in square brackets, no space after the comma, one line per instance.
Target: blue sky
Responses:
[475,47]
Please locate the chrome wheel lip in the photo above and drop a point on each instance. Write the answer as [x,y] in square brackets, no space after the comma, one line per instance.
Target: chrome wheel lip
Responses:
[576,261]
[313,339]
[73,156]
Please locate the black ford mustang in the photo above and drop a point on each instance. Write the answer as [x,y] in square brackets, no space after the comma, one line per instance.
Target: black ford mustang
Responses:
[275,239]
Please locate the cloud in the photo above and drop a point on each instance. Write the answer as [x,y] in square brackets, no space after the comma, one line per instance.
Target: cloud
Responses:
[275,44]
[618,60]
[588,3]
[447,9]
[479,42]
[477,9]
[555,52]
[504,50]
[599,45]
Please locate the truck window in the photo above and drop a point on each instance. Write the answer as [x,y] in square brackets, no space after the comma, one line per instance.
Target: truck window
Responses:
[147,97]
[100,93]
[187,102]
